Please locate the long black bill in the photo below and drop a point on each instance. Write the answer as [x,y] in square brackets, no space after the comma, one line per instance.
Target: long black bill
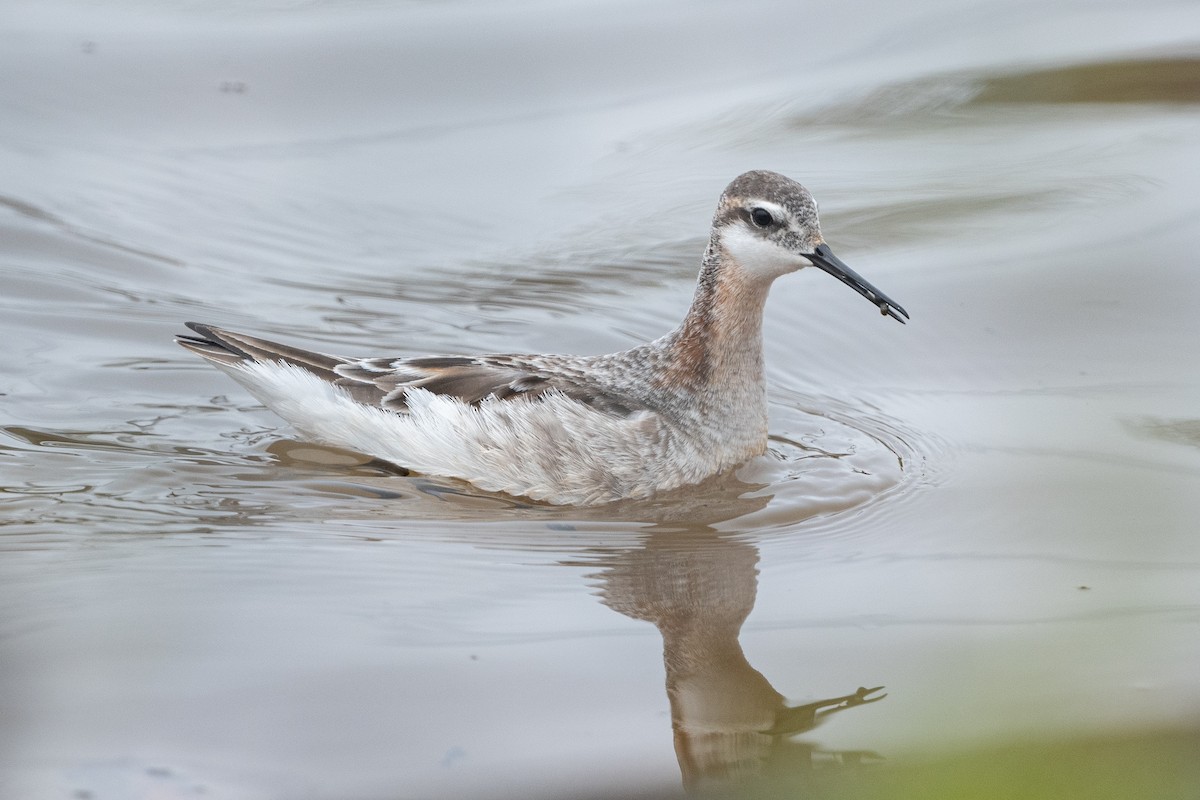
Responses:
[826,260]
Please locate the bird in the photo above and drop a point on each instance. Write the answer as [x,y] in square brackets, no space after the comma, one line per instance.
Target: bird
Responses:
[568,429]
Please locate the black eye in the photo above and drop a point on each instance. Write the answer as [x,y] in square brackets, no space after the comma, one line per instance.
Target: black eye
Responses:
[762,218]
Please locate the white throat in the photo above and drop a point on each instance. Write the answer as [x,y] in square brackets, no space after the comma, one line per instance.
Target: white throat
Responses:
[760,257]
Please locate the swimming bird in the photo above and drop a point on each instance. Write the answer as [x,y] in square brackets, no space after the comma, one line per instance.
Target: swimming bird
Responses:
[565,429]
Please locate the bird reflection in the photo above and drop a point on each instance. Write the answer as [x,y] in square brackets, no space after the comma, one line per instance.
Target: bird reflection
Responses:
[730,725]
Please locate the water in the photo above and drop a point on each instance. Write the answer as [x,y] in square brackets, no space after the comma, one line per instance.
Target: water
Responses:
[990,511]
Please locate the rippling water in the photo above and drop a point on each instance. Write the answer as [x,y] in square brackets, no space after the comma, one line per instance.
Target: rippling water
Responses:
[990,511]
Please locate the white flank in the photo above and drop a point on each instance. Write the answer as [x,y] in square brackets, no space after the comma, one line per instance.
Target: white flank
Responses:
[498,445]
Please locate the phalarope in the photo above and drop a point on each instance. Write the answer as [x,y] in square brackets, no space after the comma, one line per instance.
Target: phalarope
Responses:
[570,430]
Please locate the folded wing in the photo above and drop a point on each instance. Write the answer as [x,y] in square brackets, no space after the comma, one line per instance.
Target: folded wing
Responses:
[386,382]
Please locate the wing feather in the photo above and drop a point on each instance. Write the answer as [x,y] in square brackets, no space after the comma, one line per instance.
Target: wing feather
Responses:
[471,380]
[386,382]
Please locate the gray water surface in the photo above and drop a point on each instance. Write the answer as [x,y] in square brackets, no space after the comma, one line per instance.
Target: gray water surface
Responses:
[990,511]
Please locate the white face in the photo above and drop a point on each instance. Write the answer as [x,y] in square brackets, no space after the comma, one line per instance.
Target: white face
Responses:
[767,240]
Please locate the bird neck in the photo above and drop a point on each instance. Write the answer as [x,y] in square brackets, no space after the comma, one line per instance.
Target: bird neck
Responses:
[719,342]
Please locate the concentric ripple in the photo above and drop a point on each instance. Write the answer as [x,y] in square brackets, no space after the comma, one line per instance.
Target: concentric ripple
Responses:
[825,458]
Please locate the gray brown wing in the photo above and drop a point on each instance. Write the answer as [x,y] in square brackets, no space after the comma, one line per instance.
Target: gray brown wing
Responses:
[386,382]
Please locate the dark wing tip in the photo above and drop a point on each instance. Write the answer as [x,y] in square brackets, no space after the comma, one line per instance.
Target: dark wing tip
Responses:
[208,334]
[209,344]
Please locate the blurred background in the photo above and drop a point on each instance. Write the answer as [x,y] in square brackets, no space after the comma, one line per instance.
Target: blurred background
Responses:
[968,566]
